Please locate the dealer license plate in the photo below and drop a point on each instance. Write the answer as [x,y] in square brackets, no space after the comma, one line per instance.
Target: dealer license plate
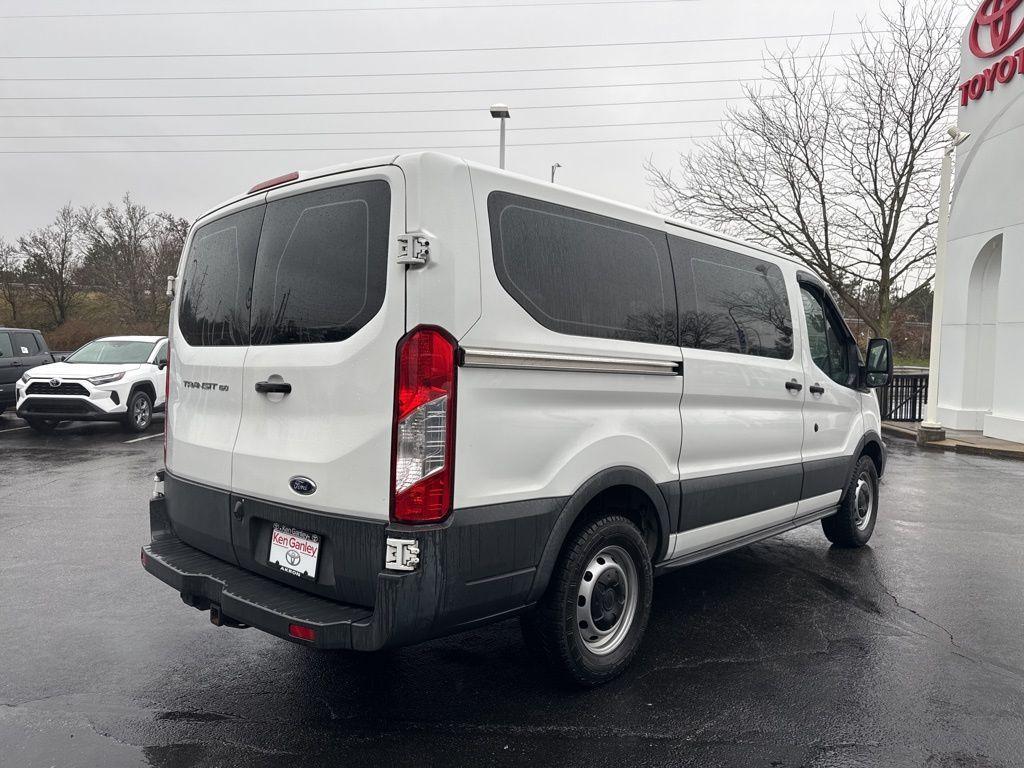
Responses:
[293,551]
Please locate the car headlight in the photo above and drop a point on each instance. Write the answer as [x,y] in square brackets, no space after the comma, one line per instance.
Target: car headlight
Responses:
[106,378]
[24,378]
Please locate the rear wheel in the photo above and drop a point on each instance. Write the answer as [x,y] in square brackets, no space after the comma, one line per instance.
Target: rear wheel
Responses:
[854,523]
[45,426]
[590,622]
[140,412]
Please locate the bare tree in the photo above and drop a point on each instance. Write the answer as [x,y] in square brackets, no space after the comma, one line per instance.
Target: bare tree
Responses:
[129,253]
[12,278]
[53,257]
[837,167]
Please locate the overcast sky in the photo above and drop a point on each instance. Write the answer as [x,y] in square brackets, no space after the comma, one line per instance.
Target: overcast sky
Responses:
[108,76]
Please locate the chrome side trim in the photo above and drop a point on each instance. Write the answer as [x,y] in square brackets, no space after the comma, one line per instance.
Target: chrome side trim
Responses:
[545,361]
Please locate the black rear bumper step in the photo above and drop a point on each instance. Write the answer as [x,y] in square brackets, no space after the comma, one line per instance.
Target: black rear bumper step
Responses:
[251,599]
[477,566]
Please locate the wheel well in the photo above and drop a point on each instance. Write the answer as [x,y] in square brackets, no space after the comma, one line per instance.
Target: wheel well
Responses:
[145,386]
[632,503]
[874,451]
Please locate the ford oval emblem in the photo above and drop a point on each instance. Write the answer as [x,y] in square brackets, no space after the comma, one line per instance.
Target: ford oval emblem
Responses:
[302,485]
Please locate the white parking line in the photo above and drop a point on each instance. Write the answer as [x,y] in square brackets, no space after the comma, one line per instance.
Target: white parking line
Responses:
[147,437]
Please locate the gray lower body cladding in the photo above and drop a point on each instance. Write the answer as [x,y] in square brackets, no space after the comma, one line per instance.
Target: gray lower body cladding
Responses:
[478,566]
[482,564]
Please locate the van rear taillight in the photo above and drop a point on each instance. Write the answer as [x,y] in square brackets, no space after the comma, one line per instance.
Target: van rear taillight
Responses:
[423,442]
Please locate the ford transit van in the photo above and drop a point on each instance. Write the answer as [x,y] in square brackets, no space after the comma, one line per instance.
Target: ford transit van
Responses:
[410,396]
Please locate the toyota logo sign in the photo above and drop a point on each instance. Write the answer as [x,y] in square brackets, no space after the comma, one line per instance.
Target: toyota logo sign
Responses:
[997,26]
[55,383]
[292,557]
[993,29]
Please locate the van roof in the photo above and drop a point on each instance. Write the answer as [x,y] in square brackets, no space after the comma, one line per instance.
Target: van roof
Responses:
[413,158]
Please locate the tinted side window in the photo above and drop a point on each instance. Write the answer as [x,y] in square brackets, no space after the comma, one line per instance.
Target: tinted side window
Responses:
[731,302]
[161,355]
[24,344]
[583,274]
[6,350]
[828,345]
[214,305]
[323,261]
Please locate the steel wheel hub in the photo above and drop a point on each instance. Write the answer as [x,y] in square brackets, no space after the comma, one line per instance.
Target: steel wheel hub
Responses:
[606,600]
[863,502]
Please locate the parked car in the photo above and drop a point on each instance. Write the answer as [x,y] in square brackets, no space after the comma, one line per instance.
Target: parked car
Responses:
[411,396]
[20,349]
[118,378]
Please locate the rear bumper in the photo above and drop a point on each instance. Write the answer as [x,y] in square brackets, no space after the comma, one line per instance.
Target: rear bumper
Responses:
[459,583]
[204,581]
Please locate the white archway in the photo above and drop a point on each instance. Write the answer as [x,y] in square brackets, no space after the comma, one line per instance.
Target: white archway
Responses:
[982,312]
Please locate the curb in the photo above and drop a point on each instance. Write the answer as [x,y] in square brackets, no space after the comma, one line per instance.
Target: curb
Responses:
[952,446]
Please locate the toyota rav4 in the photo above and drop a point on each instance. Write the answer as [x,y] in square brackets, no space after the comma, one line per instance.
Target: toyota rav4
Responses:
[119,378]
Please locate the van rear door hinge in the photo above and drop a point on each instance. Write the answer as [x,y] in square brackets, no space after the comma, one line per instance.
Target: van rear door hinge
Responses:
[401,554]
[415,248]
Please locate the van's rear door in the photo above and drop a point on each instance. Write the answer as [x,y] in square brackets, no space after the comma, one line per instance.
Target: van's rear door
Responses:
[210,337]
[328,309]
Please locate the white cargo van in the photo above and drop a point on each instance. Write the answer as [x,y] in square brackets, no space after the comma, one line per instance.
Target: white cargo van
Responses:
[413,395]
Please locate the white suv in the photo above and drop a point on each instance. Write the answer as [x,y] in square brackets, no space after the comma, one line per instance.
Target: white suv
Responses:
[118,378]
[413,395]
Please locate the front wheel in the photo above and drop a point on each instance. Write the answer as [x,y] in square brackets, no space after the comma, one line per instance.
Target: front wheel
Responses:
[591,620]
[140,412]
[854,522]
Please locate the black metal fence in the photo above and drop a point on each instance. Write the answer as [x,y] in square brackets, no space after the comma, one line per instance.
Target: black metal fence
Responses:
[905,398]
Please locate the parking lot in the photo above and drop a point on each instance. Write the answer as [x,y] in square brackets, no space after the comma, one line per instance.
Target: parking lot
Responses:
[785,653]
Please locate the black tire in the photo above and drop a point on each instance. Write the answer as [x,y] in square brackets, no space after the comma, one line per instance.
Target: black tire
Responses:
[854,523]
[613,548]
[139,415]
[44,426]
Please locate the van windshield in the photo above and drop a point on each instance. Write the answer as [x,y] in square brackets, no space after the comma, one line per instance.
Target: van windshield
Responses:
[113,351]
[302,269]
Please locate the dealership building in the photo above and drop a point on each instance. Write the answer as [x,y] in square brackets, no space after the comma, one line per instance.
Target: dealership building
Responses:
[981,361]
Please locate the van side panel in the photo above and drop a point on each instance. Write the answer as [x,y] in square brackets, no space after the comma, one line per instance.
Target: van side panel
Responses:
[741,463]
[527,433]
[445,292]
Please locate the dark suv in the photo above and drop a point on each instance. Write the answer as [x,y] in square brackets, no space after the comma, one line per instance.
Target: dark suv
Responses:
[20,349]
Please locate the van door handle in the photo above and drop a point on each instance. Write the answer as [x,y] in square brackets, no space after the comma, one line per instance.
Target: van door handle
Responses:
[273,387]
[817,389]
[794,386]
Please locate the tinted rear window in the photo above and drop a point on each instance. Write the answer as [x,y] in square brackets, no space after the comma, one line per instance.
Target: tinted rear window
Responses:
[731,302]
[583,274]
[217,280]
[322,264]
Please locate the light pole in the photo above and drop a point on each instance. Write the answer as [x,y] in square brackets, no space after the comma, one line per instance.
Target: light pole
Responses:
[501,111]
[930,429]
[554,168]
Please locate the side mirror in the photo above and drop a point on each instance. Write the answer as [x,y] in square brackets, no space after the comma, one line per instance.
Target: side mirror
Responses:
[161,364]
[878,368]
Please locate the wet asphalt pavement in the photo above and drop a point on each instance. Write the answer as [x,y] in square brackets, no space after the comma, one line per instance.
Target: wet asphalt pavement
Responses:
[786,653]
